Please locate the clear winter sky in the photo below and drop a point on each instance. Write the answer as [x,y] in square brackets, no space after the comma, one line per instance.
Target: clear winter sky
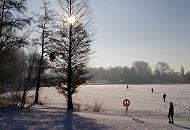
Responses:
[139,30]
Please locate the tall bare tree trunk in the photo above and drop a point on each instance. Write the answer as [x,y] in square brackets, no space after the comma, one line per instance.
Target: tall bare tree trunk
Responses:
[39,76]
[69,98]
[44,22]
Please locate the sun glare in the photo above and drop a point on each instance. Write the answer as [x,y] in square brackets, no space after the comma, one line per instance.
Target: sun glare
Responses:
[71,19]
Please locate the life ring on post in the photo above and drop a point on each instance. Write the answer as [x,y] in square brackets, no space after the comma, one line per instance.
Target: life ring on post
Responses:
[126,102]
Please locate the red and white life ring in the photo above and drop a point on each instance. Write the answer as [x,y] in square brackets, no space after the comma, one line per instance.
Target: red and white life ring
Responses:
[126,102]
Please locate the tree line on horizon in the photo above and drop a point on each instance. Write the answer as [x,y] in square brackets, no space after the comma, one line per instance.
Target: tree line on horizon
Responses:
[140,73]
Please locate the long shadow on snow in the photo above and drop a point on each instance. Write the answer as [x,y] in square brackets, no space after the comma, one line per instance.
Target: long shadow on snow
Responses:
[184,127]
[51,119]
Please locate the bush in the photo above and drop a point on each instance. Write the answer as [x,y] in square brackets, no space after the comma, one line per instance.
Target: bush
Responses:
[87,107]
[97,107]
[77,106]
[2,101]
[10,99]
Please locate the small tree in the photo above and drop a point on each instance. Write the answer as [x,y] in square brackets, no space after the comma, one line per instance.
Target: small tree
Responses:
[73,43]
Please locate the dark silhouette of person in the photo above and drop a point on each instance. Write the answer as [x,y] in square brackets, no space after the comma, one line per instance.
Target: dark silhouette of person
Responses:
[127,87]
[164,97]
[152,90]
[171,113]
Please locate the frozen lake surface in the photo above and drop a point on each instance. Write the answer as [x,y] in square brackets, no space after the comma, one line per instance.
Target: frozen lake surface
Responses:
[142,99]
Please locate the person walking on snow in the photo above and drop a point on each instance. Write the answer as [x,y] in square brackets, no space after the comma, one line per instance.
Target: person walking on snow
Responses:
[171,113]
[152,90]
[164,97]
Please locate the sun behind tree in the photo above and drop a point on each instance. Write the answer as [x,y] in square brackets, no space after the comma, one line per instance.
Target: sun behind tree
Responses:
[72,44]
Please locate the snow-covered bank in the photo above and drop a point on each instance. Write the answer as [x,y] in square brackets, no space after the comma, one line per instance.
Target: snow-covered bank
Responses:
[52,118]
[146,112]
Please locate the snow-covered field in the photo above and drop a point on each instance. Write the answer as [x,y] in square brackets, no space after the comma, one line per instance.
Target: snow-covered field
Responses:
[147,110]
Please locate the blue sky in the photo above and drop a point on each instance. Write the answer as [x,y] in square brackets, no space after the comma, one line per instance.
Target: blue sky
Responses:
[139,30]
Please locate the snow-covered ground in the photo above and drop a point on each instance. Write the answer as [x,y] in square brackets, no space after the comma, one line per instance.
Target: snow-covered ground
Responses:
[147,110]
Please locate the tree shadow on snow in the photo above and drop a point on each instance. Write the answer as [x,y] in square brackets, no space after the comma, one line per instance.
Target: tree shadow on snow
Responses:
[47,119]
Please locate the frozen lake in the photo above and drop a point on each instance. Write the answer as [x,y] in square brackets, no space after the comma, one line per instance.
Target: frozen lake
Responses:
[147,110]
[140,96]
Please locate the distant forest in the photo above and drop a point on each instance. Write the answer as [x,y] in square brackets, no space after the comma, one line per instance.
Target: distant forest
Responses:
[140,73]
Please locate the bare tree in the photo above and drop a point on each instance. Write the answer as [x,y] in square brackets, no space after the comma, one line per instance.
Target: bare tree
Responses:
[12,20]
[12,37]
[44,23]
[10,76]
[73,43]
[143,71]
[22,79]
[162,68]
[29,76]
